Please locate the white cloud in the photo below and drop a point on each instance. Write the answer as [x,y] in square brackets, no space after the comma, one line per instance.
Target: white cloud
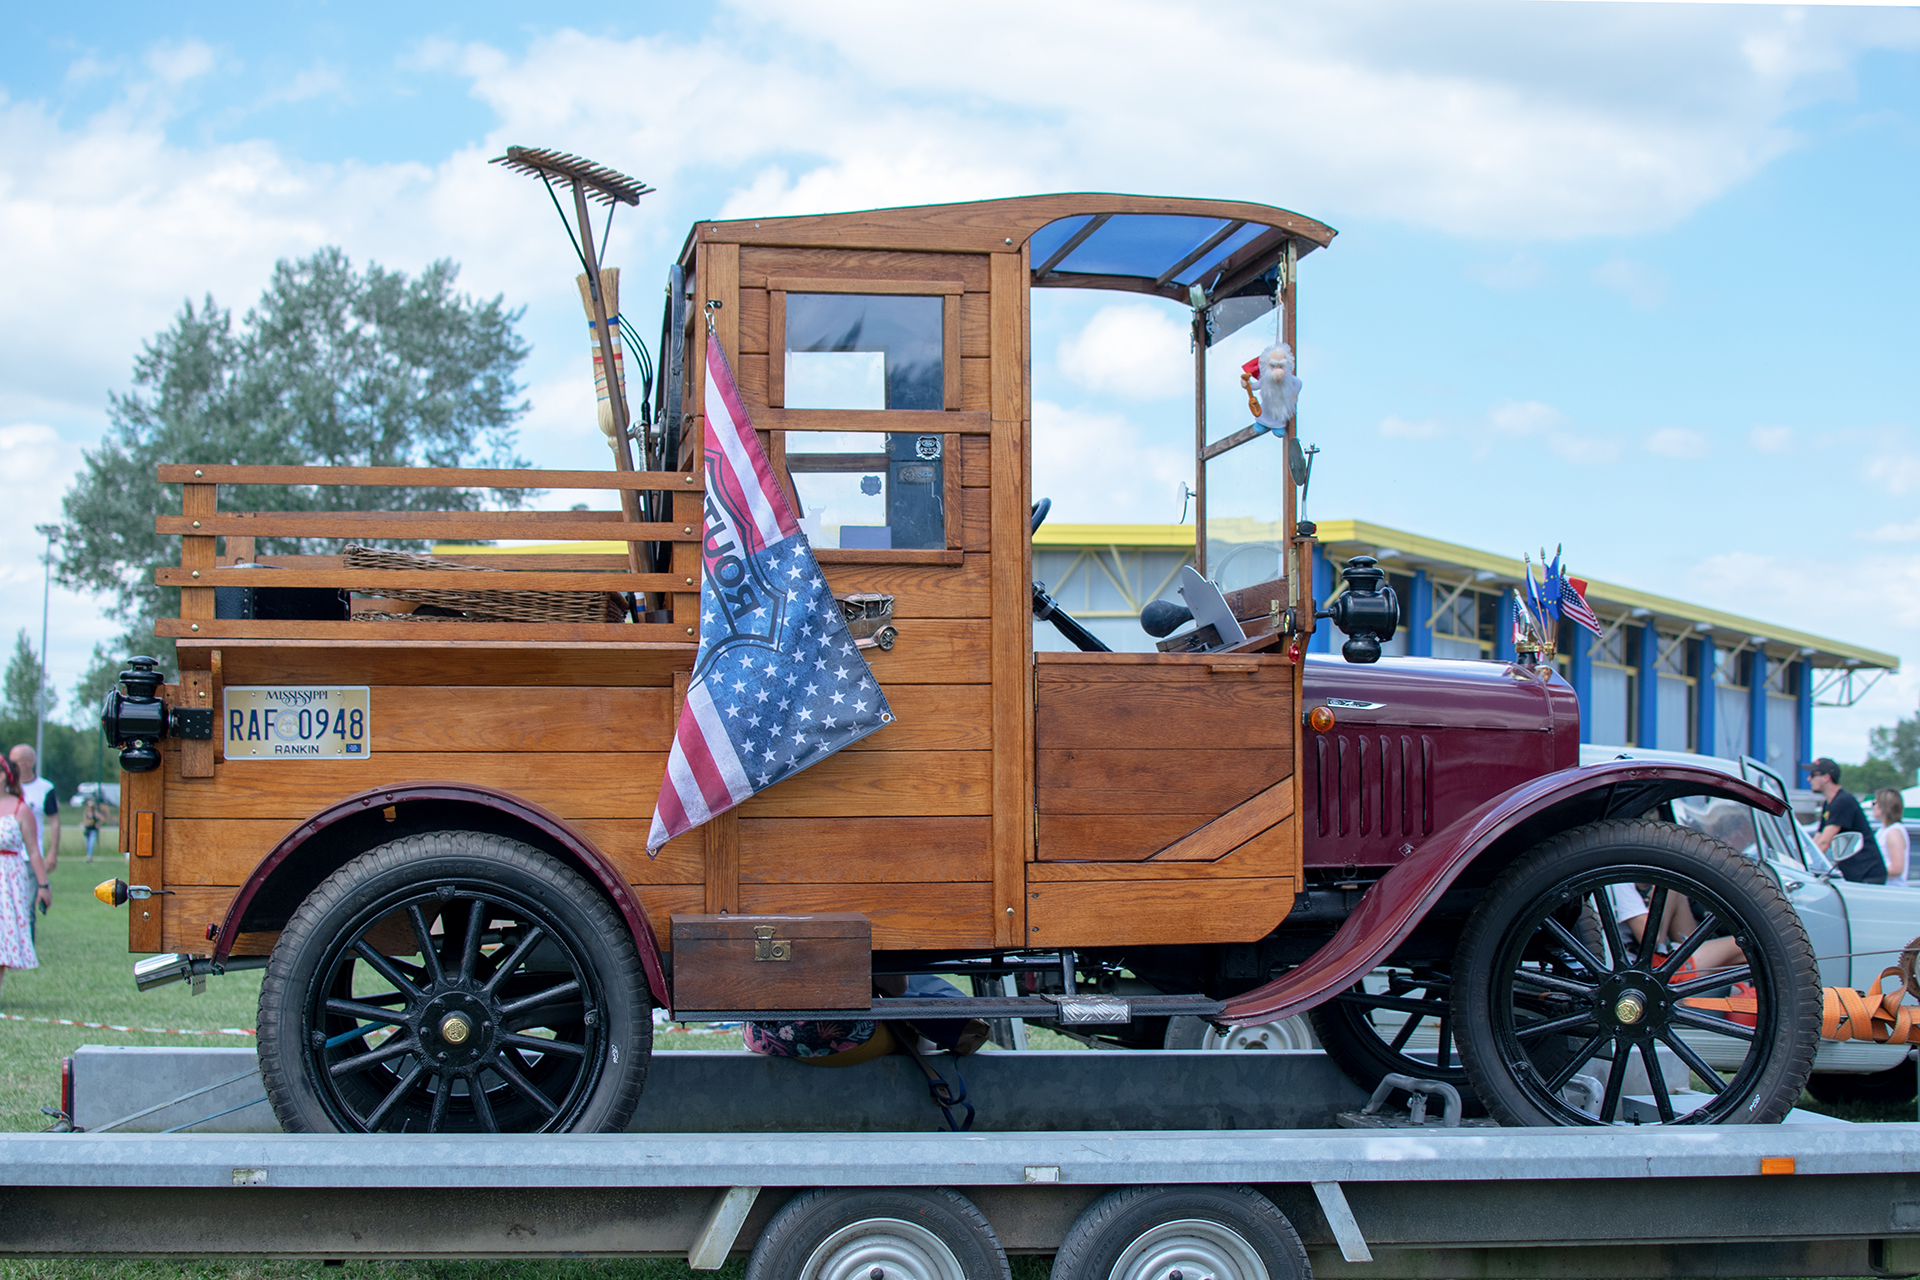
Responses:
[1394,427]
[1101,467]
[1677,442]
[1897,473]
[1130,349]
[1771,439]
[1908,532]
[1531,418]
[175,63]
[1637,282]
[1521,271]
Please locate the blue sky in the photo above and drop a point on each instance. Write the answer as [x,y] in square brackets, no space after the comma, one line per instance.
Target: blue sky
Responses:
[1637,278]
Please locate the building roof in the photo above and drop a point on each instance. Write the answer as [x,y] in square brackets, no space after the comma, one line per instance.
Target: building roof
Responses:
[1400,551]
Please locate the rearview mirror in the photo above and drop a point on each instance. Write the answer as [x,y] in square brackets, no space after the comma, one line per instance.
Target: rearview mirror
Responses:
[1844,846]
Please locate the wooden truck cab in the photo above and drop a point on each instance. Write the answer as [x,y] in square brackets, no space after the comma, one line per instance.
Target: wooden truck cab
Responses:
[426,783]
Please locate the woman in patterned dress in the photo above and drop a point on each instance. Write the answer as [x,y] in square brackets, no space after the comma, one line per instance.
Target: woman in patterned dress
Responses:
[19,858]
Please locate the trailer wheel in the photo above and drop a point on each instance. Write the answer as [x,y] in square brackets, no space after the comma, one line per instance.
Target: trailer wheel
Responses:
[1187,1032]
[903,1234]
[1536,1004]
[1151,1233]
[1896,1084]
[454,982]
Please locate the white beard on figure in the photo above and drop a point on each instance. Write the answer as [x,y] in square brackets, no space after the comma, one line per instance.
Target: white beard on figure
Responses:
[1279,389]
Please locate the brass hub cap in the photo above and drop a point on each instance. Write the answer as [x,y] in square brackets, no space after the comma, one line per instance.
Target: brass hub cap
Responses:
[455,1029]
[1630,1007]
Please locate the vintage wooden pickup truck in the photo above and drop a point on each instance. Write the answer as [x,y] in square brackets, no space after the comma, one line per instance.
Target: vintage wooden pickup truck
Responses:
[420,793]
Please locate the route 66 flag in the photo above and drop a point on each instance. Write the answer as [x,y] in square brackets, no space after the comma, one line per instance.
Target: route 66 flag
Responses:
[777,682]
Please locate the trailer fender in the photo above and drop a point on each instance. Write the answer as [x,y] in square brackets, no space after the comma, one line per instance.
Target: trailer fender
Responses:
[1487,838]
[336,835]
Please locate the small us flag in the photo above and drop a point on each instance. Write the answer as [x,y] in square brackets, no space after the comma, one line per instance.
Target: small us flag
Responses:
[1573,604]
[777,683]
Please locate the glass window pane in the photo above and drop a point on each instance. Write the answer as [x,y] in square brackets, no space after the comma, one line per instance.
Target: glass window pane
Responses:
[1214,256]
[899,341]
[1139,245]
[869,490]
[1051,237]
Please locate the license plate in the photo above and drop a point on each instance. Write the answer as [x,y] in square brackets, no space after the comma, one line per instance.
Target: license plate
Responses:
[287,723]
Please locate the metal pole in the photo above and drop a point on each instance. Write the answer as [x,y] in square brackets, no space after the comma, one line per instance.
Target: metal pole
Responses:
[40,693]
[616,394]
[1200,440]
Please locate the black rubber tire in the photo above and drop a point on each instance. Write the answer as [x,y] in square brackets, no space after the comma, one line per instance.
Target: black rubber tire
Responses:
[1512,921]
[503,882]
[1185,1031]
[1895,1084]
[1356,1047]
[804,1224]
[1098,1245]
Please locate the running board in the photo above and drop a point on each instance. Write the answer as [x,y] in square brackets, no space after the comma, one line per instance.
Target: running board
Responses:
[1068,1011]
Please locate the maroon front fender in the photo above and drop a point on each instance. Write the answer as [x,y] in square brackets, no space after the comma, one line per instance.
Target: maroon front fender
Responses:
[1398,900]
[523,811]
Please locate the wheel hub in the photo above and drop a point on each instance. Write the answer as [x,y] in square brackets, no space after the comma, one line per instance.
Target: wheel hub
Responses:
[457,1029]
[1631,1004]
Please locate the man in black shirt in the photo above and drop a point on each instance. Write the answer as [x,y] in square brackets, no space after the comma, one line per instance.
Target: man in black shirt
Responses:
[1839,811]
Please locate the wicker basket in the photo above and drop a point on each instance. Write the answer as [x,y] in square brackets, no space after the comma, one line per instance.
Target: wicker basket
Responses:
[484,606]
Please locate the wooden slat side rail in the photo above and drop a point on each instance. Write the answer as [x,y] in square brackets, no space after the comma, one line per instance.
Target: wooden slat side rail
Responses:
[1096,913]
[431,477]
[451,525]
[922,421]
[1233,828]
[439,631]
[370,581]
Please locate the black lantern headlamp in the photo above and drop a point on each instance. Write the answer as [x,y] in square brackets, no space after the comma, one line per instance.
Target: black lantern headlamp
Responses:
[1368,610]
[134,720]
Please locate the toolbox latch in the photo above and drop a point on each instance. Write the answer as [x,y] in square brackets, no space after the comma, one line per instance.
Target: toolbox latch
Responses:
[768,947]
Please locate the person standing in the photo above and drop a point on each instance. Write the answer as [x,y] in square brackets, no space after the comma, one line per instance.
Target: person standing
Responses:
[1889,806]
[90,820]
[1839,811]
[39,793]
[21,869]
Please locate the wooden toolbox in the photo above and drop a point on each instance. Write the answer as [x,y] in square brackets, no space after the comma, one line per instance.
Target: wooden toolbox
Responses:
[773,962]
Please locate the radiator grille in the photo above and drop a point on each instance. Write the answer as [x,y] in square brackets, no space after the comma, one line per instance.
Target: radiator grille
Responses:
[1377,785]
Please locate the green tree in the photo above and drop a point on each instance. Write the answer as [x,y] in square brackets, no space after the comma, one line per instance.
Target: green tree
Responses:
[1874,773]
[24,683]
[332,366]
[1899,745]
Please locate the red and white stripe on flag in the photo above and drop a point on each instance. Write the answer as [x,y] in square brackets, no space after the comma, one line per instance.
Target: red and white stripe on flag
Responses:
[737,465]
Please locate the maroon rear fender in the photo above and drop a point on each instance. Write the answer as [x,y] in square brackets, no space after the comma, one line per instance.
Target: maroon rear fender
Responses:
[1507,826]
[506,813]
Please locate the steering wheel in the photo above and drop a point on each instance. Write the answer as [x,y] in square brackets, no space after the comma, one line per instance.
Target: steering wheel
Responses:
[1040,510]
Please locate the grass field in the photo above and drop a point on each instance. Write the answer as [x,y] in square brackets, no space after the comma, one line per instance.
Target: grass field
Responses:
[85,975]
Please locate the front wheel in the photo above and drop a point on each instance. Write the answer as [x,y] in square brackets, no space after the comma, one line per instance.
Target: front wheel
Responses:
[454,982]
[1557,1028]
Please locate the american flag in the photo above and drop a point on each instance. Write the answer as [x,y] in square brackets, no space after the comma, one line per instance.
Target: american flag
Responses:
[1573,604]
[777,682]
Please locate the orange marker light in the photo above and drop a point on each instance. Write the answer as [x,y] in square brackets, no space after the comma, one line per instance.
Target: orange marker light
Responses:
[1776,1164]
[1320,719]
[111,892]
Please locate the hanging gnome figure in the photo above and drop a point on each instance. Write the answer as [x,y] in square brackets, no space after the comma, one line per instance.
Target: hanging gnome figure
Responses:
[1279,390]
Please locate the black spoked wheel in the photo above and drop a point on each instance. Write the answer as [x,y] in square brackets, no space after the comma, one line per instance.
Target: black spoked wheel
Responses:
[454,983]
[1396,1020]
[1557,1028]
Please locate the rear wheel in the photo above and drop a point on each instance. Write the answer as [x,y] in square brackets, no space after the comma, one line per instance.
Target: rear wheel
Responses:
[454,982]
[1539,1006]
[1396,1021]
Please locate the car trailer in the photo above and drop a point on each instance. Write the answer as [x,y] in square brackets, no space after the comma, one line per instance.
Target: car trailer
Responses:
[1213,1198]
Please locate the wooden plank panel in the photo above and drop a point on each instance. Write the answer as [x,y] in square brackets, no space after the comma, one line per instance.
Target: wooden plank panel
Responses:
[624,843]
[196,754]
[973,328]
[920,592]
[1110,837]
[751,374]
[1124,912]
[970,269]
[1162,715]
[374,580]
[755,338]
[435,633]
[720,281]
[950,352]
[1062,666]
[143,798]
[580,526]
[1232,830]
[975,455]
[837,284]
[905,916]
[864,850]
[901,784]
[431,665]
[1274,852]
[1012,598]
[914,421]
[191,911]
[934,717]
[975,385]
[513,718]
[1131,780]
[777,348]
[197,551]
[975,512]
[720,837]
